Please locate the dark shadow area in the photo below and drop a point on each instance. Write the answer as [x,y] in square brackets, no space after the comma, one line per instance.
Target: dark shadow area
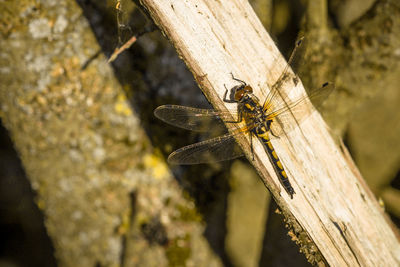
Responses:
[278,248]
[396,184]
[286,37]
[24,240]
[396,181]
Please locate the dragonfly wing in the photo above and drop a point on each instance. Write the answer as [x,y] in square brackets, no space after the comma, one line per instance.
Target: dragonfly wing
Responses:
[213,150]
[276,93]
[194,119]
[318,96]
[289,114]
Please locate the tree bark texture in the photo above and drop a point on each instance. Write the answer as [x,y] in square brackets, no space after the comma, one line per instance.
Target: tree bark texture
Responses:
[108,198]
[333,210]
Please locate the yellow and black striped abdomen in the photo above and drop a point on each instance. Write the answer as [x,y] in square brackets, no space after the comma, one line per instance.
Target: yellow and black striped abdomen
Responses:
[263,135]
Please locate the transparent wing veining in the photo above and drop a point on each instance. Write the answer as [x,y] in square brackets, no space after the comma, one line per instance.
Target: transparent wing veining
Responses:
[194,119]
[287,114]
[213,150]
[276,93]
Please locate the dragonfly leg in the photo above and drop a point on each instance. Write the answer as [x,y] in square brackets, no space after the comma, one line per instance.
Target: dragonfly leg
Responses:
[225,99]
[238,80]
[239,119]
[272,132]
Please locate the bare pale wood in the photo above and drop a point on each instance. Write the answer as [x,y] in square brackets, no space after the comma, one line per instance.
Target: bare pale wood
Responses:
[333,212]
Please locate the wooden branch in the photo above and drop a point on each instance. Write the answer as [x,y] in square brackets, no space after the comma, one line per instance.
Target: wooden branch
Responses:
[333,211]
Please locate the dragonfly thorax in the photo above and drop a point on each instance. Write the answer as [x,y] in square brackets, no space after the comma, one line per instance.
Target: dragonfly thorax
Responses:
[258,118]
[249,108]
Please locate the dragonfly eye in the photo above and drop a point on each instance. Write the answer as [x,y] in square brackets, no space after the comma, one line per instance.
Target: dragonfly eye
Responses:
[248,89]
[239,93]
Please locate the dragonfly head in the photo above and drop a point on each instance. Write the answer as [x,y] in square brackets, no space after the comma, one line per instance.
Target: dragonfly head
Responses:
[241,91]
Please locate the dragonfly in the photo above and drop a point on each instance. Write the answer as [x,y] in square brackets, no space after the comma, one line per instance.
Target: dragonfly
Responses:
[278,114]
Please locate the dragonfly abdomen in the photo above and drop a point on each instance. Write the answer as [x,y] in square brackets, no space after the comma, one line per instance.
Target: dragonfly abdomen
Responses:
[262,134]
